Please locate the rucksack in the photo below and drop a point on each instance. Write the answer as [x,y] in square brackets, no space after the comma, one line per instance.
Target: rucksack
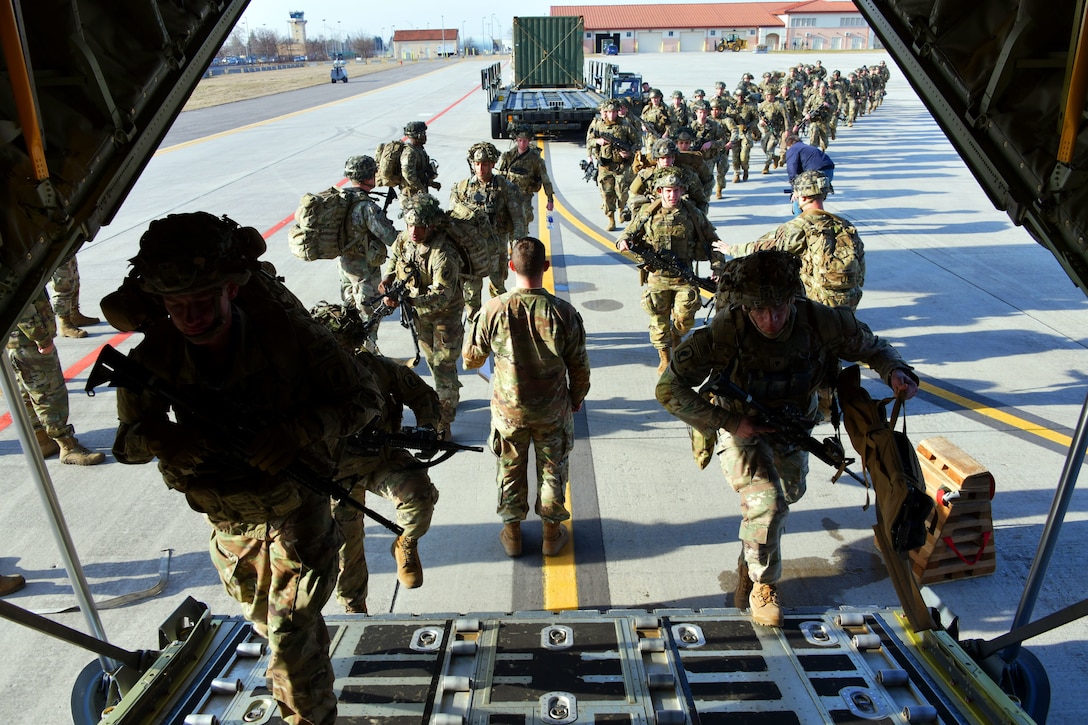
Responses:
[836,253]
[321,224]
[475,240]
[387,156]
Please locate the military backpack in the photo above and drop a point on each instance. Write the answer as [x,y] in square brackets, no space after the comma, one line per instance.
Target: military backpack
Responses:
[835,251]
[321,228]
[474,239]
[388,157]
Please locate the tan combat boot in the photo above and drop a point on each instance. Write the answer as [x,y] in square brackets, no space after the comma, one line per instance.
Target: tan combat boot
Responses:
[744,175]
[664,355]
[744,584]
[409,570]
[611,221]
[736,177]
[66,328]
[764,603]
[555,538]
[76,454]
[767,167]
[48,446]
[510,537]
[9,584]
[718,193]
[81,320]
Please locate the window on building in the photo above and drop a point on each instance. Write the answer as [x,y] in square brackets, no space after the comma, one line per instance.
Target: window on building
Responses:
[803,22]
[713,33]
[627,34]
[670,34]
[851,22]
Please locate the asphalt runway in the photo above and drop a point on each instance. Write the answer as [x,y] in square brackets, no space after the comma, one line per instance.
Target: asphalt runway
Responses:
[993,326]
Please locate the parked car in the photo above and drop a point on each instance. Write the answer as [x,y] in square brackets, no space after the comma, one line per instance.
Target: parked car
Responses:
[611,49]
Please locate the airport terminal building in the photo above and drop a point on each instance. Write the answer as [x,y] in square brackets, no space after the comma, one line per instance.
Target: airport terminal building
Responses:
[705,27]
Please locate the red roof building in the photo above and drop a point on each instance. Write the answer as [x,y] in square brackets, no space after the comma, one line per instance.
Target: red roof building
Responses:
[423,44]
[699,27]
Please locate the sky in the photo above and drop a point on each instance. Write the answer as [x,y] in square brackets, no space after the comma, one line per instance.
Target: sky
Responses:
[329,18]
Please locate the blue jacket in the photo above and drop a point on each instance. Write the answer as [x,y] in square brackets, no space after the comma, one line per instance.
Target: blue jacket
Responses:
[802,157]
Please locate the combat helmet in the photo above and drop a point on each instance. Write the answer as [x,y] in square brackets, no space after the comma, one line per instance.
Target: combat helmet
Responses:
[421,210]
[701,106]
[662,147]
[676,94]
[655,93]
[684,133]
[767,278]
[812,183]
[415,129]
[523,131]
[698,92]
[483,151]
[194,252]
[360,168]
[610,104]
[669,178]
[345,323]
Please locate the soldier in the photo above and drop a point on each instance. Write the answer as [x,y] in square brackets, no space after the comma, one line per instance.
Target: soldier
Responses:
[524,166]
[70,320]
[677,226]
[427,261]
[817,114]
[498,200]
[697,96]
[836,91]
[692,160]
[613,145]
[38,372]
[392,473]
[789,104]
[679,115]
[779,348]
[664,154]
[541,378]
[655,117]
[745,118]
[229,343]
[817,72]
[853,97]
[769,84]
[711,140]
[747,87]
[719,165]
[369,234]
[772,122]
[416,168]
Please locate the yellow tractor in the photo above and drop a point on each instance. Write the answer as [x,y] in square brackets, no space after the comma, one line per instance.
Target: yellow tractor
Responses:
[732,43]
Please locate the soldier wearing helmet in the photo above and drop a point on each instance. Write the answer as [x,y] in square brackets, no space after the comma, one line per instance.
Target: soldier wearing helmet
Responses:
[743,125]
[780,348]
[697,96]
[524,166]
[231,342]
[369,233]
[747,86]
[497,198]
[613,143]
[416,167]
[427,262]
[392,473]
[711,142]
[655,116]
[679,113]
[670,225]
[696,163]
[817,113]
[773,121]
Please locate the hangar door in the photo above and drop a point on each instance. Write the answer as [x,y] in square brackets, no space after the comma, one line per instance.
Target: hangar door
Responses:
[694,42]
[649,42]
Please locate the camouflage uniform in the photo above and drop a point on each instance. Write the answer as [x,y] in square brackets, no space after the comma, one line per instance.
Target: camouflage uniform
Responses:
[41,381]
[656,117]
[369,234]
[679,114]
[719,164]
[614,174]
[709,131]
[786,370]
[643,189]
[744,120]
[394,474]
[500,199]
[529,173]
[541,375]
[774,121]
[670,301]
[433,272]
[66,300]
[416,169]
[273,543]
[818,111]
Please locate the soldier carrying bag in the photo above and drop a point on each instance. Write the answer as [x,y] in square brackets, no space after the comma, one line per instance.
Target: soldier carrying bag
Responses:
[387,157]
[321,224]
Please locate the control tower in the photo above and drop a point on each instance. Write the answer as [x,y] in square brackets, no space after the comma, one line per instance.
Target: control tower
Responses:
[297,29]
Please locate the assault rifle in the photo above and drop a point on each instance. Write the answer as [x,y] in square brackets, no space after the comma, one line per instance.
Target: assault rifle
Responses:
[117,370]
[790,426]
[413,438]
[667,261]
[378,310]
[621,145]
[389,195]
[589,170]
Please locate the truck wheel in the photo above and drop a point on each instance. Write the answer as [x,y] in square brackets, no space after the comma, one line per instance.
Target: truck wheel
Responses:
[496,126]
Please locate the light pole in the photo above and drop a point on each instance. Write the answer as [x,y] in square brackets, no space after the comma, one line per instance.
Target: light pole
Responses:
[494,22]
[339,42]
[483,20]
[442,19]
[392,40]
[382,36]
[249,53]
[461,41]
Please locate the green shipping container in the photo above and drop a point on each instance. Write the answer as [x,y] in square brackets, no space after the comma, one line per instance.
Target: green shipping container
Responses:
[548,52]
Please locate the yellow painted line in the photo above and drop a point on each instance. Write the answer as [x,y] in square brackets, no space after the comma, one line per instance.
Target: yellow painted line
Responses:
[998,415]
[560,576]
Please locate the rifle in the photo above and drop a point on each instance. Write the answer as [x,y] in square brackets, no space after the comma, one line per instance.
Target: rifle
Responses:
[667,261]
[589,170]
[621,145]
[378,310]
[117,370]
[414,438]
[791,427]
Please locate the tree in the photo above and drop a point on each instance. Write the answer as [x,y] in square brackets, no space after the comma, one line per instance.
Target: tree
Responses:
[264,44]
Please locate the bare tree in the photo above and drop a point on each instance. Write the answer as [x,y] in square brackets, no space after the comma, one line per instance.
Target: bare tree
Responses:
[264,43]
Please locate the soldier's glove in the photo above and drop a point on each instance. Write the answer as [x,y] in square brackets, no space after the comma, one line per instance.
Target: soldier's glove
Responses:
[176,445]
[436,186]
[275,448]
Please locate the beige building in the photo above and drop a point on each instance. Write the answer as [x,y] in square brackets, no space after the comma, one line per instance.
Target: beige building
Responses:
[700,27]
[426,44]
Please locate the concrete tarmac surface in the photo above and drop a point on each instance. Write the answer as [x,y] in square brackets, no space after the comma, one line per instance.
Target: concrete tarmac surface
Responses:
[993,326]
